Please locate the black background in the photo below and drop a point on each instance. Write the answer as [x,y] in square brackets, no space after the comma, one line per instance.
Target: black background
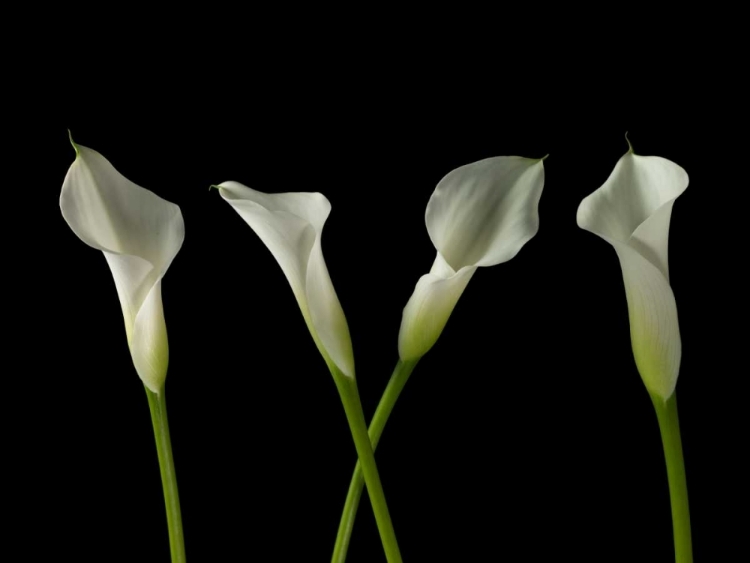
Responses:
[525,434]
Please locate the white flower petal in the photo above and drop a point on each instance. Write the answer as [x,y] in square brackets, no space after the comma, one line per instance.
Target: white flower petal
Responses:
[635,203]
[290,237]
[326,313]
[140,234]
[149,344]
[651,238]
[291,226]
[654,330]
[134,277]
[481,214]
[632,211]
[429,308]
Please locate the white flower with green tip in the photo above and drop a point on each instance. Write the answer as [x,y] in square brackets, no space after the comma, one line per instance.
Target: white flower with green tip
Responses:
[291,227]
[480,214]
[139,234]
[632,212]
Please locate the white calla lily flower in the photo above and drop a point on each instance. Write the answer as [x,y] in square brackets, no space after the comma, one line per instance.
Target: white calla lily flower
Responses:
[139,234]
[291,226]
[480,214]
[632,211]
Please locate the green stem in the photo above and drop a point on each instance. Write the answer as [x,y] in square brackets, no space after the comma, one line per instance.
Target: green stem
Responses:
[669,424]
[399,378]
[158,406]
[347,387]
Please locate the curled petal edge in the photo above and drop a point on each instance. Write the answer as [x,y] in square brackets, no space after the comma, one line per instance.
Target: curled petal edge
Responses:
[429,308]
[483,213]
[291,227]
[137,279]
[632,211]
[654,327]
[634,205]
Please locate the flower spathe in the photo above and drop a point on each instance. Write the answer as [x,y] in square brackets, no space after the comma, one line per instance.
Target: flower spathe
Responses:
[632,212]
[291,227]
[480,214]
[139,234]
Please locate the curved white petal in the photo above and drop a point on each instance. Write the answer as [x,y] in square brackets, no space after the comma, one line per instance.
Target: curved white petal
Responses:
[291,226]
[634,205]
[429,308]
[140,234]
[632,211]
[149,343]
[654,329]
[481,214]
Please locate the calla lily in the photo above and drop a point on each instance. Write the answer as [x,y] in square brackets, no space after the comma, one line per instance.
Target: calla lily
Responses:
[139,234]
[480,214]
[632,211]
[291,226]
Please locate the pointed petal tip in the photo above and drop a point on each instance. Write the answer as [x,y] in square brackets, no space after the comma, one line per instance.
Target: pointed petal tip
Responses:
[630,145]
[228,189]
[72,142]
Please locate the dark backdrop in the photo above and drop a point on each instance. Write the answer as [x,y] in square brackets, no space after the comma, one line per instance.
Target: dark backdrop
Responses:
[524,435]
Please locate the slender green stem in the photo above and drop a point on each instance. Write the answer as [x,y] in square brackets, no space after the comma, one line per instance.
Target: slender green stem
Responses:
[399,378]
[158,407]
[353,407]
[669,424]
